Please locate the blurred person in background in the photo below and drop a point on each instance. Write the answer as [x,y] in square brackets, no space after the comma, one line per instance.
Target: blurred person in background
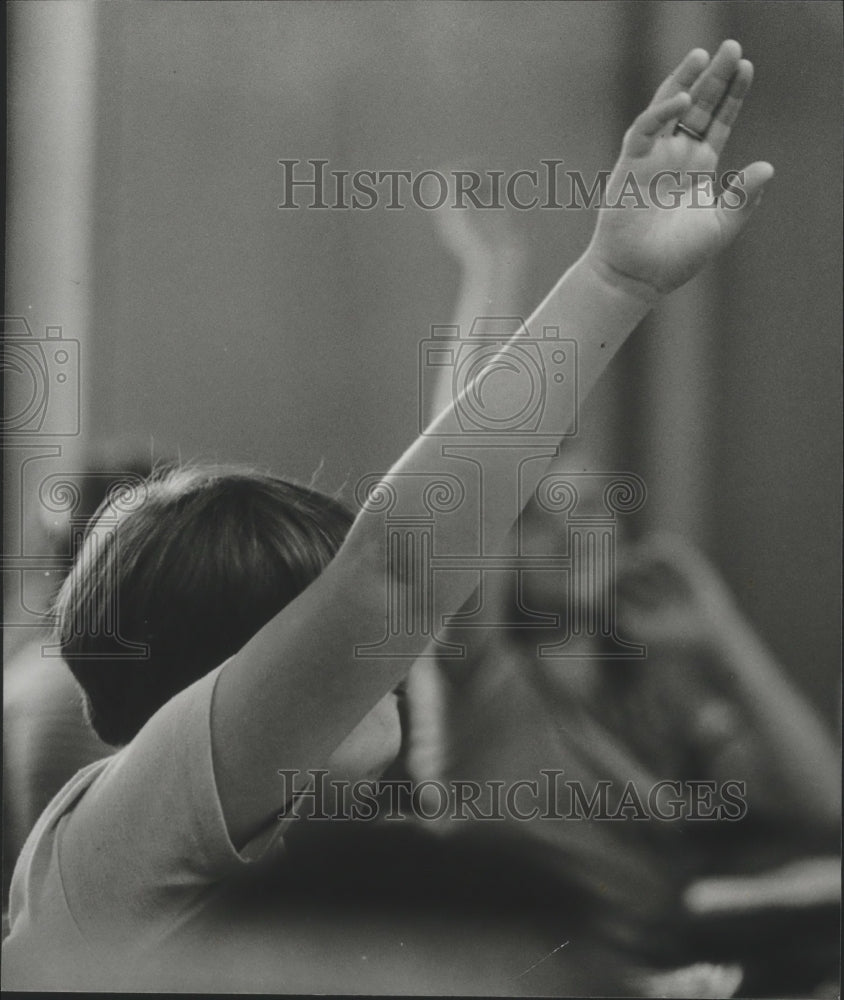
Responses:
[707,704]
[46,738]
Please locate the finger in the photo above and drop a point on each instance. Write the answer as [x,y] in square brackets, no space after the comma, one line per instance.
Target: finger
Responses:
[644,130]
[711,86]
[682,78]
[729,108]
[742,197]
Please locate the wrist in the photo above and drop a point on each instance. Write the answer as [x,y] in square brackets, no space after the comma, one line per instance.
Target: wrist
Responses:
[599,316]
[620,283]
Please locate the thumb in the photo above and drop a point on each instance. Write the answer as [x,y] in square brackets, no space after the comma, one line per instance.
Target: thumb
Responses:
[742,193]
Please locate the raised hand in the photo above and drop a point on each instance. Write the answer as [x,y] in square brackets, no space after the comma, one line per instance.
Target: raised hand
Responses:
[479,237]
[661,221]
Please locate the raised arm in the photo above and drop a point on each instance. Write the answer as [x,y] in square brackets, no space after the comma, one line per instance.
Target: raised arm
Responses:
[297,689]
[492,262]
[672,599]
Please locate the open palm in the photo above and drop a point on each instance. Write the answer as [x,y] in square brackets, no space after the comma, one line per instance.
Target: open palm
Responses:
[662,221]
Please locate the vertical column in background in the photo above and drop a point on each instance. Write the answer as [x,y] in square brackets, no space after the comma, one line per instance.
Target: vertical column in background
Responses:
[51,78]
[680,349]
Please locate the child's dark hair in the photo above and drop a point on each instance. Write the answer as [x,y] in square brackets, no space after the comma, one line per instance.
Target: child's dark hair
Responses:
[191,569]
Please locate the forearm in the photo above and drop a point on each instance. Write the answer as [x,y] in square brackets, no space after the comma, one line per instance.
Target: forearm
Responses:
[585,307]
[803,758]
[476,283]
[489,286]
[588,309]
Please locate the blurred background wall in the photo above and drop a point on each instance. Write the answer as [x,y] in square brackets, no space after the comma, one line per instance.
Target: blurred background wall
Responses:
[213,325]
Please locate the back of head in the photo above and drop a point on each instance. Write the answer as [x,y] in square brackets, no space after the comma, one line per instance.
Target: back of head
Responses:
[190,567]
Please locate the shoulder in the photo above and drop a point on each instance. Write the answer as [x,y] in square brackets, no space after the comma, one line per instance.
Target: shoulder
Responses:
[40,921]
[38,851]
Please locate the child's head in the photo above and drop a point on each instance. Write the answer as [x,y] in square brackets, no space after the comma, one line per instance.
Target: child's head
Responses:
[191,569]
